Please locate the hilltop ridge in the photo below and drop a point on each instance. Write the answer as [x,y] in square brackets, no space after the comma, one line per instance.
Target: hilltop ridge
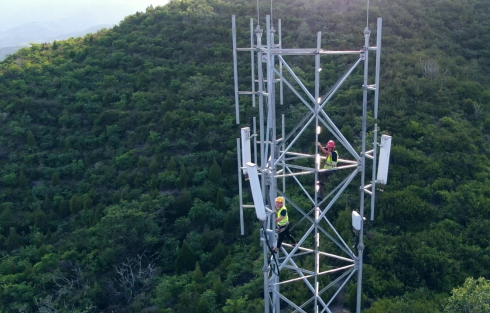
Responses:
[119,154]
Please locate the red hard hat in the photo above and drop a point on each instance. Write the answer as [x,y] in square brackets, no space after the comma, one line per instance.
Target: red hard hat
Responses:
[331,144]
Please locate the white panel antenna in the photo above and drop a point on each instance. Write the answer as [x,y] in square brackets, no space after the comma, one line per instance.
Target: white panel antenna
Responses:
[384,159]
[256,191]
[246,155]
[356,220]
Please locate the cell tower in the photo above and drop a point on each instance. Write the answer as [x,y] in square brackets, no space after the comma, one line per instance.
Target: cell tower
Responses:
[279,165]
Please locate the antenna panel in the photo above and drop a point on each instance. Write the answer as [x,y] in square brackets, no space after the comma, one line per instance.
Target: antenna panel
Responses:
[256,191]
[246,155]
[384,159]
[356,220]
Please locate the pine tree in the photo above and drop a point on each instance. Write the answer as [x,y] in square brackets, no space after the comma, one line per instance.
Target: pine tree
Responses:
[40,220]
[14,240]
[184,202]
[186,258]
[197,276]
[229,164]
[6,217]
[75,204]
[154,165]
[31,141]
[116,197]
[153,182]
[52,216]
[219,252]
[64,208]
[55,179]
[203,306]
[183,177]
[215,172]
[219,290]
[220,201]
[47,204]
[230,222]
[201,129]
[172,166]
[22,179]
[87,202]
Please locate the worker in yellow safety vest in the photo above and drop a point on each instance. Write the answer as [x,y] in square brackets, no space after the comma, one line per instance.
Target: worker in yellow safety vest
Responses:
[282,221]
[332,157]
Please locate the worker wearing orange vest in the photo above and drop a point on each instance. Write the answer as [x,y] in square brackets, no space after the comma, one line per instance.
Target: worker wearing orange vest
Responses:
[282,221]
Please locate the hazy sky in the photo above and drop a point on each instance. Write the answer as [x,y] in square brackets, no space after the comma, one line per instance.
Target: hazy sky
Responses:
[17,12]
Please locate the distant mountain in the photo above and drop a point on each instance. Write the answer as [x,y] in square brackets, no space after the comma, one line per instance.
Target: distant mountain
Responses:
[82,14]
[58,22]
[8,50]
[38,32]
[43,32]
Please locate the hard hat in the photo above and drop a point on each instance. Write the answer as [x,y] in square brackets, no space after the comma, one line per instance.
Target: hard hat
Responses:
[331,144]
[280,199]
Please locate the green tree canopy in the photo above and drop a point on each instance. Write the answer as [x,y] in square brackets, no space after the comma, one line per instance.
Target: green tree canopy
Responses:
[472,297]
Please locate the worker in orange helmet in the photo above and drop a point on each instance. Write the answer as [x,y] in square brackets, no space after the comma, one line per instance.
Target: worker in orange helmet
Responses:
[332,157]
[282,221]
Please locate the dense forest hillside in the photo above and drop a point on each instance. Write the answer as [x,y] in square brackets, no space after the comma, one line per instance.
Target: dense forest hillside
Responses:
[118,179]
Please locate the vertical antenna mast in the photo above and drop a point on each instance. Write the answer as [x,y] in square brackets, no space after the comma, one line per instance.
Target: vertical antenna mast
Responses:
[258,14]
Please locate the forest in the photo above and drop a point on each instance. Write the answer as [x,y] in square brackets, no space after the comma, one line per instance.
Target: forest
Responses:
[118,160]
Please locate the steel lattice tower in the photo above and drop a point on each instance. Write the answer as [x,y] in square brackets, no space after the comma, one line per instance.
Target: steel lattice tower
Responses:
[280,163]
